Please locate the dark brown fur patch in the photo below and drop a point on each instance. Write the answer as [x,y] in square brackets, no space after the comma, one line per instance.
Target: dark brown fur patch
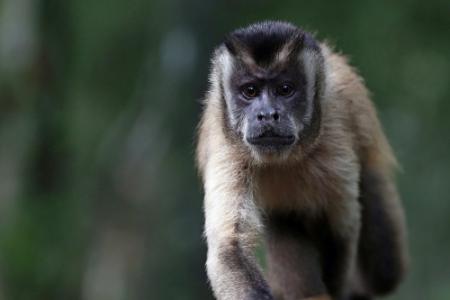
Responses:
[379,253]
[294,268]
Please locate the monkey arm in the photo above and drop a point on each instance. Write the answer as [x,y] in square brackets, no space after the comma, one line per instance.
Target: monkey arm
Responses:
[232,225]
[382,247]
[382,251]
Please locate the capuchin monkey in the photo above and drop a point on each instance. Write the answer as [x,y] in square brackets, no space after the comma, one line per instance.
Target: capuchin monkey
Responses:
[290,149]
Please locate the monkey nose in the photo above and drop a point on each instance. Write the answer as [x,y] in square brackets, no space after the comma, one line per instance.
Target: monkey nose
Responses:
[268,116]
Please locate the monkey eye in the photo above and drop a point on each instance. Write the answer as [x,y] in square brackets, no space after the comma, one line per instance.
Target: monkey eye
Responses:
[285,90]
[249,91]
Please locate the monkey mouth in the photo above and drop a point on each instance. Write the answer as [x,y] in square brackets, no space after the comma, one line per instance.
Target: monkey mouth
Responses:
[271,139]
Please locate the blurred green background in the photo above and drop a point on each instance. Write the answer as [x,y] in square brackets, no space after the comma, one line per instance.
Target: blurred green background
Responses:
[99,197]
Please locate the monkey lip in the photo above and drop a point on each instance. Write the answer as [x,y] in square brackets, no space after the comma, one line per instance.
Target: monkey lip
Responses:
[269,139]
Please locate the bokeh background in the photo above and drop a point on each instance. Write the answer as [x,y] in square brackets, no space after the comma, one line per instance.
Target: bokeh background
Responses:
[99,197]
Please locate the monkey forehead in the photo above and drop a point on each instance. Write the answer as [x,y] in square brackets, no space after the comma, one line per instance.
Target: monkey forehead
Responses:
[265,42]
[276,70]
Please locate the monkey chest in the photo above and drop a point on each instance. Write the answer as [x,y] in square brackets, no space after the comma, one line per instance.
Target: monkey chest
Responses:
[306,189]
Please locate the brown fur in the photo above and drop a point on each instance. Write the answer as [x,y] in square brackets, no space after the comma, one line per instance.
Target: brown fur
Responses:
[320,180]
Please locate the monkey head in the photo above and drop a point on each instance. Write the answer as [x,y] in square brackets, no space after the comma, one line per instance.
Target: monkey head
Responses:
[272,81]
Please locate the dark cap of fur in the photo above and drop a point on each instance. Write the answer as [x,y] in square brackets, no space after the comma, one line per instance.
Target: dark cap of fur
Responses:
[262,41]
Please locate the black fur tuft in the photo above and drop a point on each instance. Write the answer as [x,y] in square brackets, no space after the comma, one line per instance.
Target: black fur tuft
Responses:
[263,40]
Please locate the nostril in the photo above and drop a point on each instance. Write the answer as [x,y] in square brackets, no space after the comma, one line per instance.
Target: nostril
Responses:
[275,116]
[260,116]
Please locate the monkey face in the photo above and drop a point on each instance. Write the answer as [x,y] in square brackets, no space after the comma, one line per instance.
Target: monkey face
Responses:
[270,105]
[272,81]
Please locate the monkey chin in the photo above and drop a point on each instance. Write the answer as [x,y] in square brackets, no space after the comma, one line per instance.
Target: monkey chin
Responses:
[271,154]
